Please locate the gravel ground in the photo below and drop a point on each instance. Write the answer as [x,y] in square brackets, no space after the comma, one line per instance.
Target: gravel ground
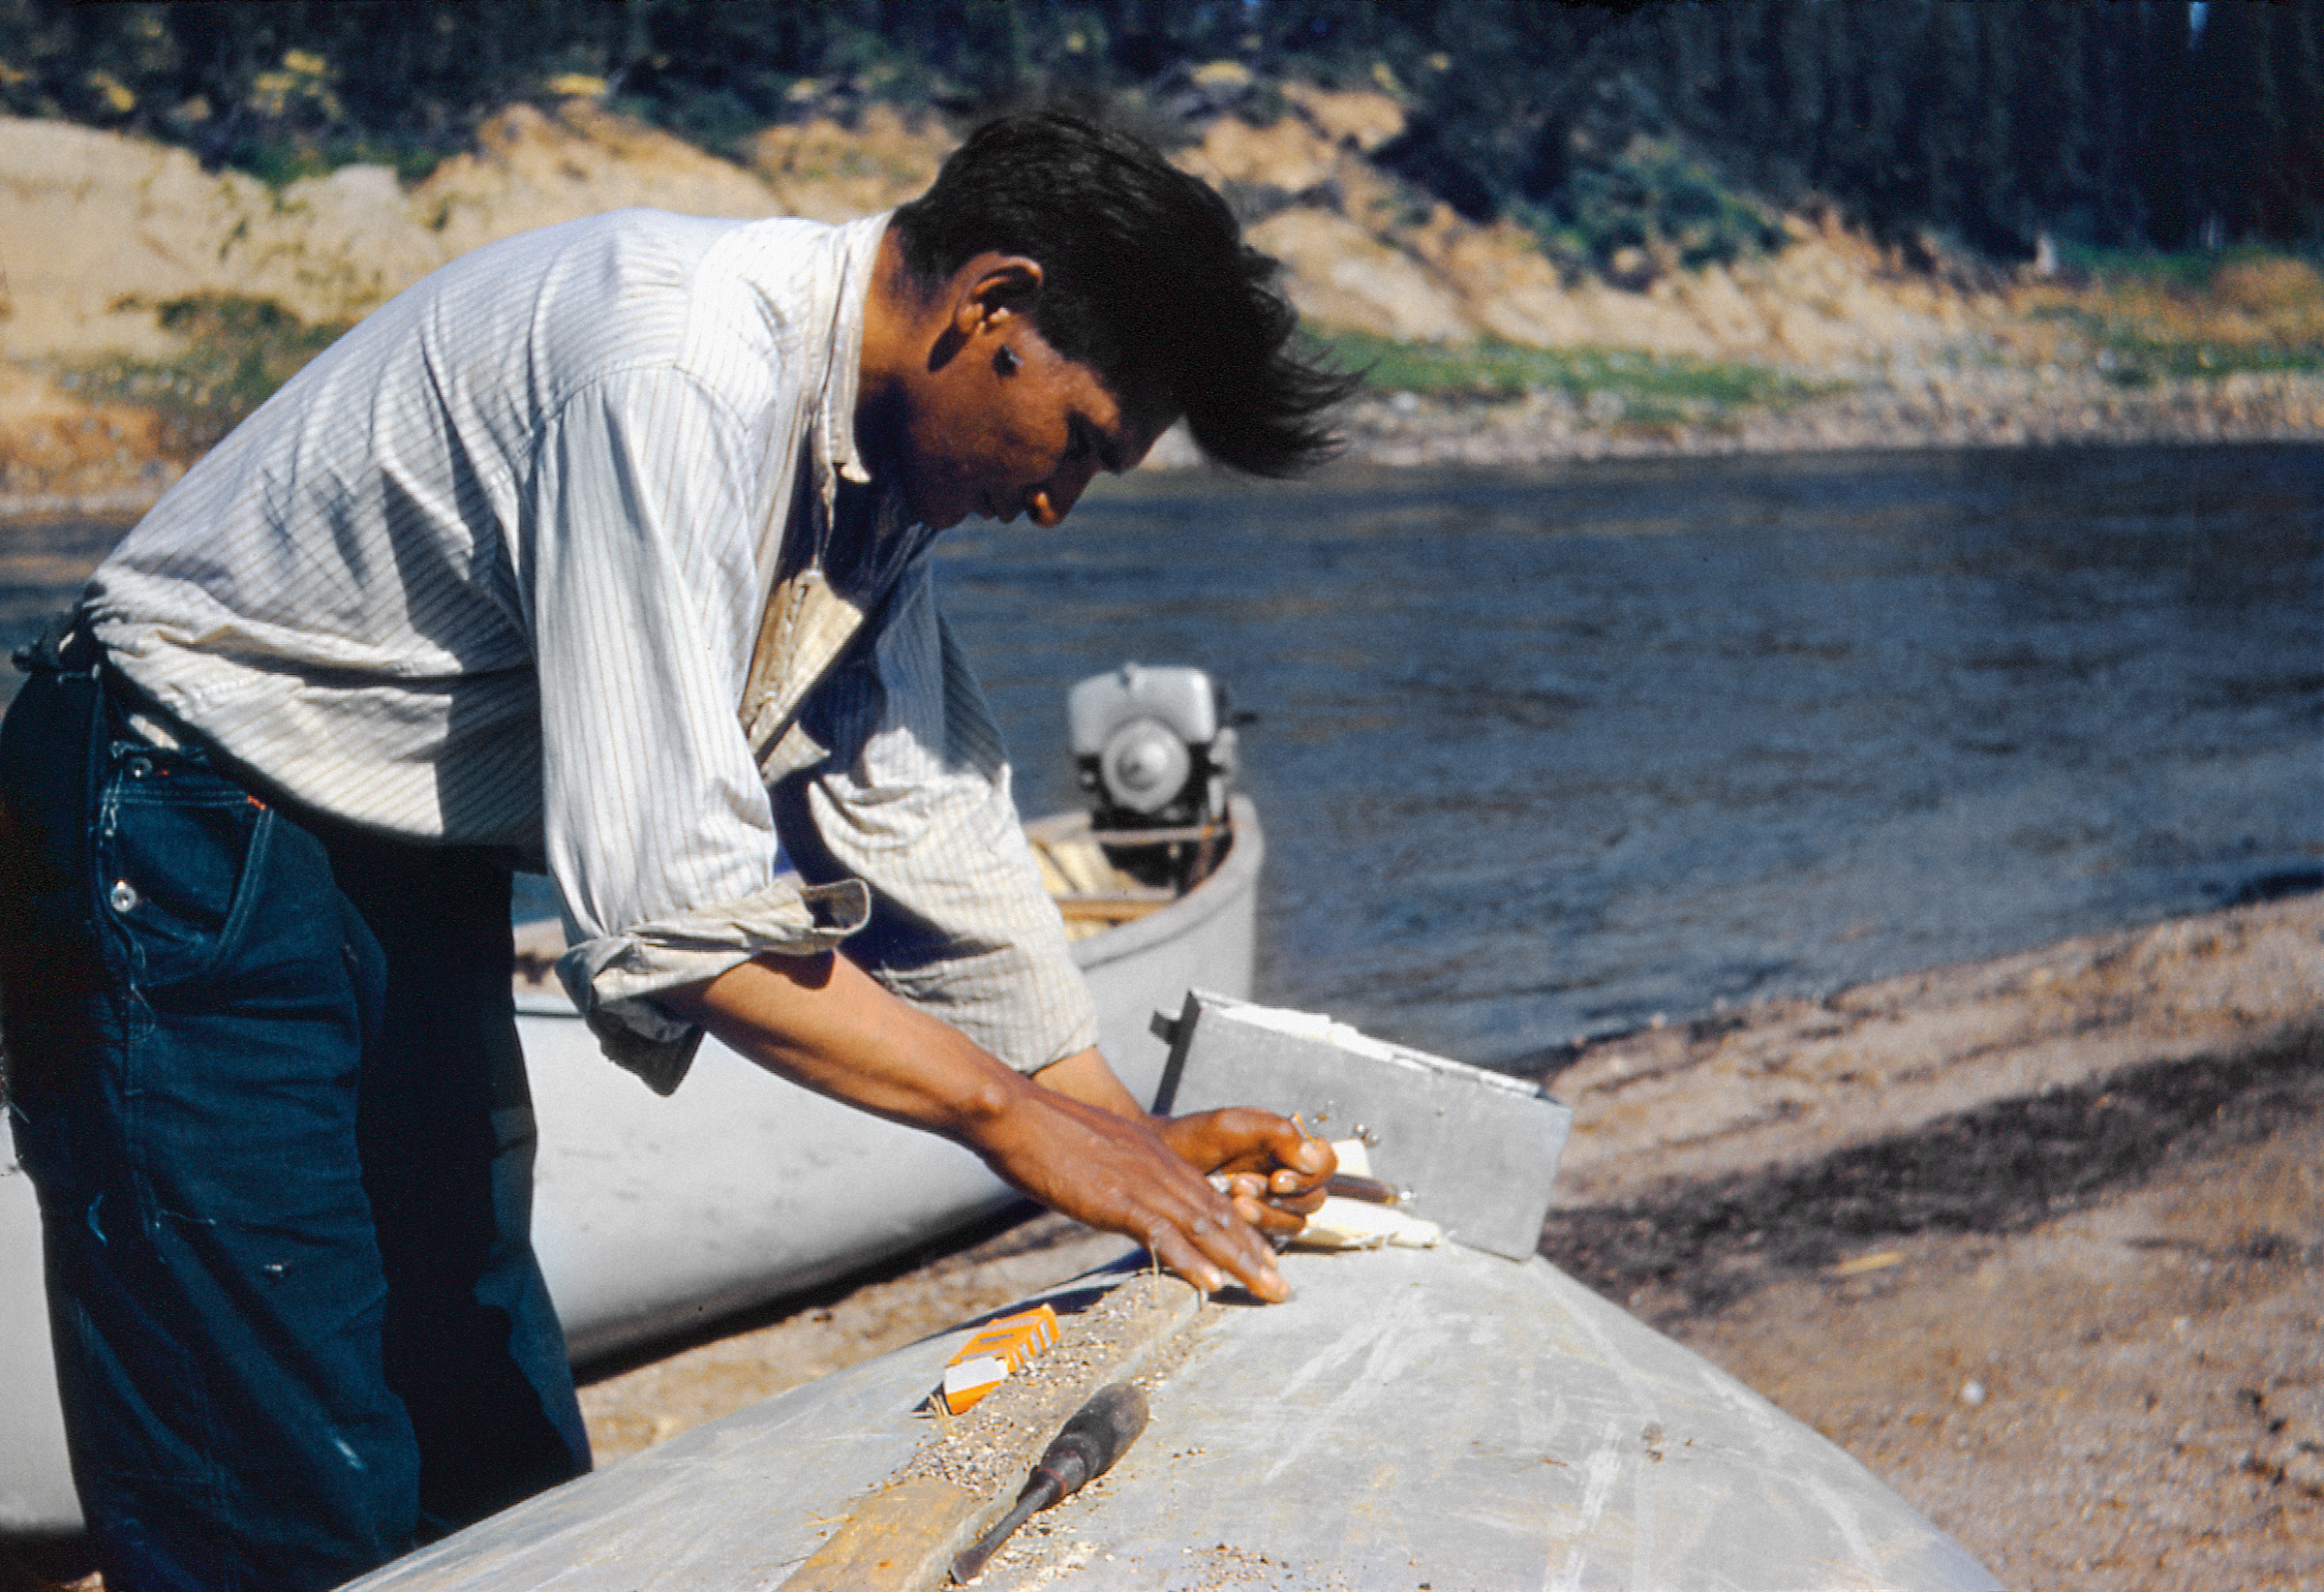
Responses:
[2131,1396]
[2083,1338]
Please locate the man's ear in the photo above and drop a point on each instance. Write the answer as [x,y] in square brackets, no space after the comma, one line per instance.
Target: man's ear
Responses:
[997,287]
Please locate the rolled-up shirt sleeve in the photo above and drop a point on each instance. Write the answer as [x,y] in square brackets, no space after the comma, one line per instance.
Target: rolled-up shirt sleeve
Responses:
[658,832]
[915,801]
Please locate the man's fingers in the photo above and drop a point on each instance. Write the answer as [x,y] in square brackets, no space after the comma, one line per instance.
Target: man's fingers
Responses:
[1228,1238]
[1257,1201]
[1171,1250]
[1208,1254]
[1310,1155]
[1240,1139]
[1158,1193]
[1273,1219]
[1305,1203]
[1199,1231]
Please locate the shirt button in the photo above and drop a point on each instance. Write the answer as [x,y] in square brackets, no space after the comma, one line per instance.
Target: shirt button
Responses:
[124,896]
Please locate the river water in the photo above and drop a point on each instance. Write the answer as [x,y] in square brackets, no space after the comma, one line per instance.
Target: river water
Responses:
[1546,753]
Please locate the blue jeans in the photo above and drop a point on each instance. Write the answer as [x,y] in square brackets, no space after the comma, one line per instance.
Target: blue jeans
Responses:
[265,1076]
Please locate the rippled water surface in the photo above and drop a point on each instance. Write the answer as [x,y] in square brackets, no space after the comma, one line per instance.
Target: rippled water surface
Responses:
[1542,754]
[1546,753]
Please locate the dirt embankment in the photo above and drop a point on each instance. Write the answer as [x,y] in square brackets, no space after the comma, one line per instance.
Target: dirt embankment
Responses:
[112,376]
[111,240]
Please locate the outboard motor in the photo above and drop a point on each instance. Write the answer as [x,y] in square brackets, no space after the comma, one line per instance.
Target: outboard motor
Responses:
[1155,752]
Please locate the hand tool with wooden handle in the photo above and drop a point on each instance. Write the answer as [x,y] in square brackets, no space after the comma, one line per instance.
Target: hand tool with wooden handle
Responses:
[1096,1436]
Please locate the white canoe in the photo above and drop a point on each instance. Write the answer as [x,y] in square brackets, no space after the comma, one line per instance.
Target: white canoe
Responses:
[1439,1418]
[654,1214]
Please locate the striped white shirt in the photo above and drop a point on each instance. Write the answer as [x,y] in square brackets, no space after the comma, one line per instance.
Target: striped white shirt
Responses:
[494,570]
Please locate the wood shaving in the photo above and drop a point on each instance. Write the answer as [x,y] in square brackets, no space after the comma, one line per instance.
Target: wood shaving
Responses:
[1113,1340]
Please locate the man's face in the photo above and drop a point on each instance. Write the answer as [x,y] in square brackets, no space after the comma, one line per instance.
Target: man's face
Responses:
[1004,425]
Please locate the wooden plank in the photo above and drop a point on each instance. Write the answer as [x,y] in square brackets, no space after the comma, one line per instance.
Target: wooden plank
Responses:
[905,1536]
[1121,908]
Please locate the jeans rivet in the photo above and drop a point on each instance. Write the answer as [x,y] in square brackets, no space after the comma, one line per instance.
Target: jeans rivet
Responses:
[140,767]
[124,896]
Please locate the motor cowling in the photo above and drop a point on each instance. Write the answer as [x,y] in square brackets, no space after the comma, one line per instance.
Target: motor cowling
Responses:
[1154,750]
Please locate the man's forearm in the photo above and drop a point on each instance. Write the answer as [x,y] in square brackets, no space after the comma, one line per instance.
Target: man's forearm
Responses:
[823,1023]
[1087,1076]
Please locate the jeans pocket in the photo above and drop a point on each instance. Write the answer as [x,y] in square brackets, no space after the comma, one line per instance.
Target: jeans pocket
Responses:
[180,849]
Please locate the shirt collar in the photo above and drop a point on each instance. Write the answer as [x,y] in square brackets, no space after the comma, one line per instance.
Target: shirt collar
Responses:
[834,417]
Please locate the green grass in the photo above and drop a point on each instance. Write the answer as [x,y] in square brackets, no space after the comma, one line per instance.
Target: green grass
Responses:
[1646,388]
[2140,361]
[279,160]
[2185,270]
[238,350]
[2135,356]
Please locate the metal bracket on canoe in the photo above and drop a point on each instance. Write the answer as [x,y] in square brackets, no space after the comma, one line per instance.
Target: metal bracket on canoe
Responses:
[1482,1148]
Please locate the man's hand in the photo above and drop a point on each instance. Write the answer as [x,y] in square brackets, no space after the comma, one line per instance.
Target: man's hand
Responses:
[1273,1171]
[1121,1175]
[826,1024]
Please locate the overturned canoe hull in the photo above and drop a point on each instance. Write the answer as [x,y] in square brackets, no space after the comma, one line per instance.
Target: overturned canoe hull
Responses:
[1456,1416]
[650,1215]
[1413,1418]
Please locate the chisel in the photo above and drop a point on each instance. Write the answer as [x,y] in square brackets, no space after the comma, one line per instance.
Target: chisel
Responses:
[1346,1185]
[1096,1436]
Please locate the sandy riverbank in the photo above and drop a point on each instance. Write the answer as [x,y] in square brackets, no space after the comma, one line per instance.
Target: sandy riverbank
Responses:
[1999,408]
[1994,409]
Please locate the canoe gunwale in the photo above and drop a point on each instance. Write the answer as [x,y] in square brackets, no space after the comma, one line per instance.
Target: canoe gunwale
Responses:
[1235,874]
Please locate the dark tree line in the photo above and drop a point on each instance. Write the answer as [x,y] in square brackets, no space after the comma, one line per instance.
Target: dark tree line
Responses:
[2116,122]
[2113,123]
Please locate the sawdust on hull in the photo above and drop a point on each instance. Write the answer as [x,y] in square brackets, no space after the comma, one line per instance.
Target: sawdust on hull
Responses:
[1119,1327]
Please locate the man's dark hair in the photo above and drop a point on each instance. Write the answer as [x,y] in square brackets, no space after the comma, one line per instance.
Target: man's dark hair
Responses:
[1145,277]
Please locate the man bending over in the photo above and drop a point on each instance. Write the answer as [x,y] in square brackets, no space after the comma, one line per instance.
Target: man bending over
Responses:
[600,550]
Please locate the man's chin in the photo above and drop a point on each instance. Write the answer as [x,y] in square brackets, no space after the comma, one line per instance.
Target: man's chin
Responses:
[939,519]
[939,515]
